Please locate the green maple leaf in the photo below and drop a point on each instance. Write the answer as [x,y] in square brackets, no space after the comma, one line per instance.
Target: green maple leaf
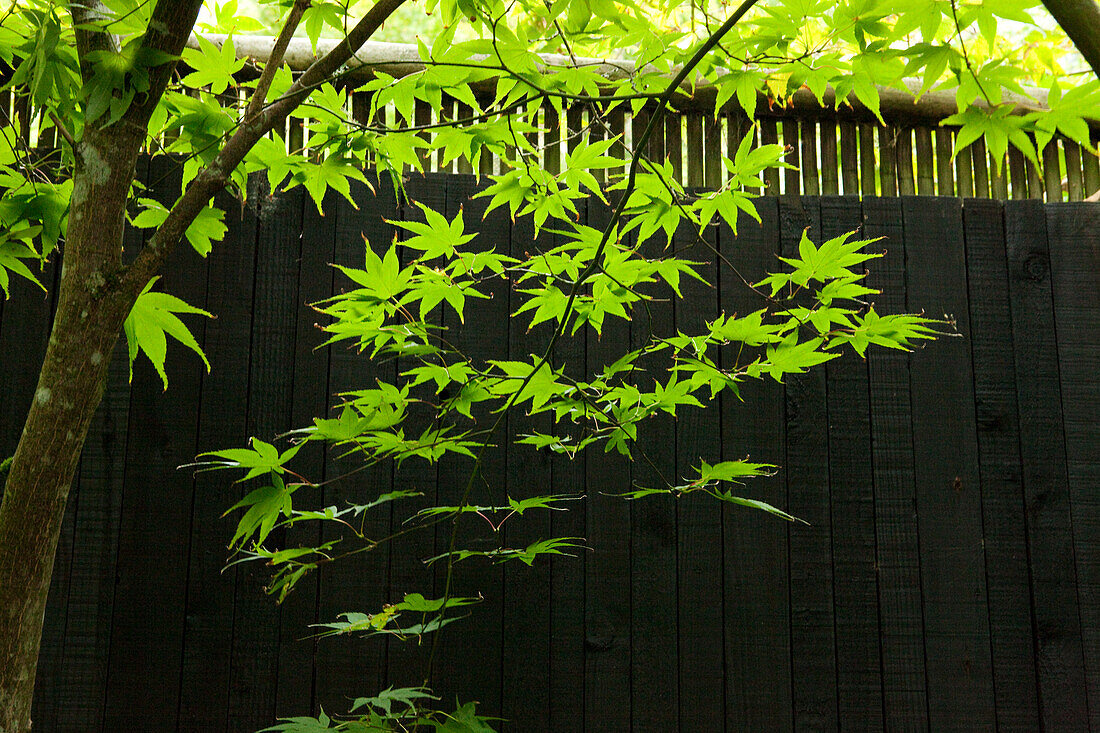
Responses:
[151,321]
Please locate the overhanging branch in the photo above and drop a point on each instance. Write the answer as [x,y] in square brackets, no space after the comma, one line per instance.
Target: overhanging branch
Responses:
[215,175]
[898,105]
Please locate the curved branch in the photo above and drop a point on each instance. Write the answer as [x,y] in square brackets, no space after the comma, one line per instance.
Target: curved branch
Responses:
[259,97]
[214,177]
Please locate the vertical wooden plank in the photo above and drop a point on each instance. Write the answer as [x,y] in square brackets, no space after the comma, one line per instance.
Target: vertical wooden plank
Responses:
[486,160]
[407,661]
[294,692]
[1091,165]
[904,145]
[655,631]
[960,684]
[1017,173]
[849,158]
[1058,642]
[755,553]
[945,174]
[347,667]
[616,121]
[673,145]
[926,169]
[148,623]
[575,130]
[964,172]
[254,662]
[525,658]
[830,175]
[768,136]
[998,182]
[551,140]
[810,183]
[899,574]
[868,177]
[422,116]
[737,127]
[1074,181]
[222,411]
[888,161]
[464,111]
[446,113]
[694,137]
[792,177]
[608,636]
[1073,232]
[462,672]
[981,168]
[852,508]
[712,152]
[699,528]
[813,642]
[597,131]
[1006,556]
[567,574]
[1052,174]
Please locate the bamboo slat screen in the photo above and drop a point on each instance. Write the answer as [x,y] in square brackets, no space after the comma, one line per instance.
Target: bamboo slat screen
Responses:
[833,152]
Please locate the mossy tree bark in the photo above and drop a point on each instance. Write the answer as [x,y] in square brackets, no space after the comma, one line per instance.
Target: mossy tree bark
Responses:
[96,293]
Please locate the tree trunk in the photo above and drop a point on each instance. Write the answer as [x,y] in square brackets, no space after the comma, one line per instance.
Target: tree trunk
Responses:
[89,317]
[1080,19]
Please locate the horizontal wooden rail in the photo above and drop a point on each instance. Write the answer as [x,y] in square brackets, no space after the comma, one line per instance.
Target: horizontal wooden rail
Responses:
[836,151]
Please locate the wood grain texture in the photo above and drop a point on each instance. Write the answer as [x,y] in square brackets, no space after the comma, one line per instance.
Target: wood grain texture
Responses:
[1073,232]
[699,518]
[95,507]
[348,667]
[525,655]
[254,661]
[756,588]
[655,662]
[1057,632]
[208,635]
[568,574]
[952,557]
[995,386]
[146,639]
[852,513]
[607,630]
[813,641]
[471,672]
[901,640]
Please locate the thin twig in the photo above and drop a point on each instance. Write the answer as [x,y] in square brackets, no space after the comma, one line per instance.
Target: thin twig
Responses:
[259,98]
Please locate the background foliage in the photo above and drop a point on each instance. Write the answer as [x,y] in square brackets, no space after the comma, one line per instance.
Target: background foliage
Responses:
[409,302]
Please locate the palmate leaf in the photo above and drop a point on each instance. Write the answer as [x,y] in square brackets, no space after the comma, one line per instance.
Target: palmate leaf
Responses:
[527,555]
[265,506]
[151,321]
[385,700]
[260,458]
[384,622]
[206,228]
[13,250]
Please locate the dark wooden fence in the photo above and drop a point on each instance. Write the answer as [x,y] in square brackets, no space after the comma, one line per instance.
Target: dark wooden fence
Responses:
[949,578]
